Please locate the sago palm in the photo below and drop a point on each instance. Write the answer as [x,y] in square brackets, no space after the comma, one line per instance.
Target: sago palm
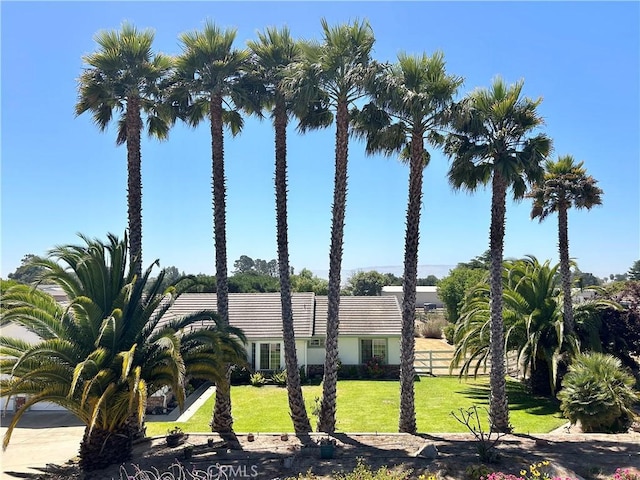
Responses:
[104,353]
[565,185]
[492,141]
[211,82]
[273,53]
[126,76]
[409,102]
[330,78]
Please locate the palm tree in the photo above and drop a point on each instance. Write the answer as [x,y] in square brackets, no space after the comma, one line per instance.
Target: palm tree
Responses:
[210,81]
[491,142]
[125,75]
[409,100]
[331,77]
[102,355]
[273,54]
[565,185]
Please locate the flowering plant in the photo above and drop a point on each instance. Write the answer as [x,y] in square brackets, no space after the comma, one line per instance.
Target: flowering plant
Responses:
[625,474]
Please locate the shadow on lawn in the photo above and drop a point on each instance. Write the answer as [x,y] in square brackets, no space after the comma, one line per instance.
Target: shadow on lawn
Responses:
[519,399]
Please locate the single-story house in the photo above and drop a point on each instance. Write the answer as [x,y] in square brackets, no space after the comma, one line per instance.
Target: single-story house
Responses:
[369,326]
[425,295]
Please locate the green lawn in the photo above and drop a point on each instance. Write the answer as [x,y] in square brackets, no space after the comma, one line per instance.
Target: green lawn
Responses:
[373,406]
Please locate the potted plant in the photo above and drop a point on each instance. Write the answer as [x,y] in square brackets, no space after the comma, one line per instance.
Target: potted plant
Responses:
[175,436]
[327,447]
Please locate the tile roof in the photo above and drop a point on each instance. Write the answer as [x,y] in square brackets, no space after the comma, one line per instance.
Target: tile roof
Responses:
[259,314]
[362,316]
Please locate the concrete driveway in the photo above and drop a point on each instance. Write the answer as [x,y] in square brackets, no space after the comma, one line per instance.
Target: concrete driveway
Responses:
[41,438]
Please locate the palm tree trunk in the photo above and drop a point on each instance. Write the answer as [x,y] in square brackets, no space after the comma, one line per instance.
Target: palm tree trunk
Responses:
[102,448]
[134,183]
[297,409]
[498,402]
[407,423]
[327,417]
[222,420]
[565,274]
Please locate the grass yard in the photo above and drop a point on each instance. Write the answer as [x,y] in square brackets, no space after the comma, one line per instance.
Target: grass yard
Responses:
[373,406]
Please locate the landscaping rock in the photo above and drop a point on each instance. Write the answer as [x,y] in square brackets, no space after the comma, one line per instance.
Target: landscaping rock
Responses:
[427,451]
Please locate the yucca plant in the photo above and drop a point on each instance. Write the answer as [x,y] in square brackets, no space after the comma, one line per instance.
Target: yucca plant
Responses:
[103,353]
[598,393]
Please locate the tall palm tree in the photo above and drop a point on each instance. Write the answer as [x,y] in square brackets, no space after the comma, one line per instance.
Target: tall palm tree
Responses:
[491,141]
[409,101]
[565,185]
[102,355]
[331,78]
[125,75]
[210,82]
[274,52]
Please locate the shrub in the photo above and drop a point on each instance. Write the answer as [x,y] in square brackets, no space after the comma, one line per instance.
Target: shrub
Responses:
[257,379]
[364,472]
[449,331]
[303,375]
[374,368]
[598,393]
[240,375]
[280,378]
[432,328]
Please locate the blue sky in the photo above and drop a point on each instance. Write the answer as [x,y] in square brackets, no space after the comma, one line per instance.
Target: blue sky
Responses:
[61,176]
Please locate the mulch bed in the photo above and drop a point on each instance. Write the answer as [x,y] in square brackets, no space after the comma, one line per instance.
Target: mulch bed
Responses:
[575,455]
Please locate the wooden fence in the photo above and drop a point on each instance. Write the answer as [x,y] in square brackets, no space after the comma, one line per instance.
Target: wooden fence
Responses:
[434,362]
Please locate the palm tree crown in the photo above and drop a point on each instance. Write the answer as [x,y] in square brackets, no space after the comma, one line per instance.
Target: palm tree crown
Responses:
[565,185]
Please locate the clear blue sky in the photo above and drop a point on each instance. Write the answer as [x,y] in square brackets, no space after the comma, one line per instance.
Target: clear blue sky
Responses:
[61,176]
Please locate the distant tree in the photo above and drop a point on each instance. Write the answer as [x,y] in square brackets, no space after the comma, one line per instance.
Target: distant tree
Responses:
[429,281]
[481,261]
[28,272]
[244,264]
[391,279]
[619,277]
[453,288]
[365,284]
[264,267]
[306,281]
[634,271]
[584,279]
[253,282]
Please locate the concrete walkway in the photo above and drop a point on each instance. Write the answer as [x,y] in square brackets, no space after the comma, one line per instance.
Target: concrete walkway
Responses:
[53,437]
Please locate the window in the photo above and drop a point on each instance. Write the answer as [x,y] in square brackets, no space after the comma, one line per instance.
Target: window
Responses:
[373,347]
[316,343]
[269,356]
